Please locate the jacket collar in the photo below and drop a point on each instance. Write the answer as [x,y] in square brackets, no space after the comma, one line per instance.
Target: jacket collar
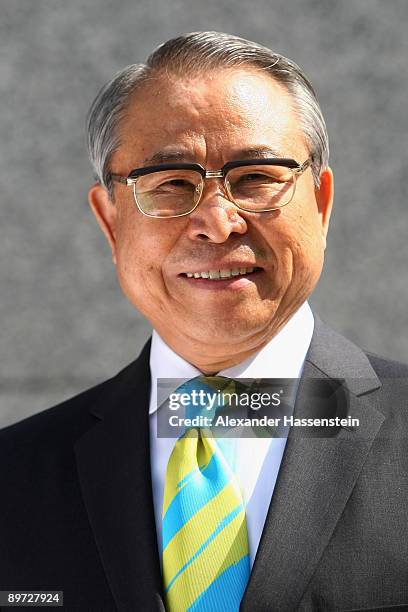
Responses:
[338,358]
[316,477]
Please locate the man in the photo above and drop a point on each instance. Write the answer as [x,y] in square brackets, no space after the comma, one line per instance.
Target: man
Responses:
[214,193]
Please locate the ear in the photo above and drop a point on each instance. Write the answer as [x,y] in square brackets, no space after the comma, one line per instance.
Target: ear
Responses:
[106,214]
[324,199]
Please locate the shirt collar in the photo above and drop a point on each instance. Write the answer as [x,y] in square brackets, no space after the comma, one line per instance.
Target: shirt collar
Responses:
[282,357]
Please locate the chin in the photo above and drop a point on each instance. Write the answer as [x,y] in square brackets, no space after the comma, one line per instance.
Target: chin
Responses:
[232,327]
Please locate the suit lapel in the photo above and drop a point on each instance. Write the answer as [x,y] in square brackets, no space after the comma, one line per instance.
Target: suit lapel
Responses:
[113,465]
[316,478]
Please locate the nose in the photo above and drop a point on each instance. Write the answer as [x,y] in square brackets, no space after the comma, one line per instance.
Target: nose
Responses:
[216,217]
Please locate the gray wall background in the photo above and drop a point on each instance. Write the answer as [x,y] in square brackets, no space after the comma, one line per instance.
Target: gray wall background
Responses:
[65,325]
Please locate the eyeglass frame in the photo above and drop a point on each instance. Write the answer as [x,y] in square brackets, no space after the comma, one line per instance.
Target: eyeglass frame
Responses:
[285,162]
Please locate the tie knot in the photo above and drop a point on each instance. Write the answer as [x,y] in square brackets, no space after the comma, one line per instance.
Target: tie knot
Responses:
[205,395]
[212,384]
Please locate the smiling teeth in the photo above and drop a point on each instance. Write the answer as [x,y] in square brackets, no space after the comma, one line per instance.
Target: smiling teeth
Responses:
[221,274]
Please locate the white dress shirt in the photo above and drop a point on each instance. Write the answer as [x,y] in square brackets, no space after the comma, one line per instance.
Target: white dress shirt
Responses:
[258,459]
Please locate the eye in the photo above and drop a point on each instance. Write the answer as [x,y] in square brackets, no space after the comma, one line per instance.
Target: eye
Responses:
[176,184]
[257,176]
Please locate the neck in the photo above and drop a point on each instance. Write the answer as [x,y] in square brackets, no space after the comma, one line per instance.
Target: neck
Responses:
[212,358]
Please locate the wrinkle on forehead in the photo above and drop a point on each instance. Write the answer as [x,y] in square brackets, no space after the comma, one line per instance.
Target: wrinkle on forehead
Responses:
[208,112]
[207,95]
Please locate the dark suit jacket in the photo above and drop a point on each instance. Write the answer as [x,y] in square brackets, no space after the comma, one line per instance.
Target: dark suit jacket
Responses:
[77,513]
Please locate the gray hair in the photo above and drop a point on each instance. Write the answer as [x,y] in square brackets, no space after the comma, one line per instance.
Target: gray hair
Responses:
[191,54]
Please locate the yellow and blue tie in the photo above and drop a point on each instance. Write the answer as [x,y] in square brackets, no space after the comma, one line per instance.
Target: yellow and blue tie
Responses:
[205,541]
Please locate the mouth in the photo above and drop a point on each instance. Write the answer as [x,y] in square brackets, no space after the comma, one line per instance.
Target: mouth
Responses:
[217,275]
[222,274]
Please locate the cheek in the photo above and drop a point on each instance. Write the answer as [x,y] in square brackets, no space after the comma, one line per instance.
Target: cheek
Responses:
[141,252]
[131,244]
[299,244]
[308,257]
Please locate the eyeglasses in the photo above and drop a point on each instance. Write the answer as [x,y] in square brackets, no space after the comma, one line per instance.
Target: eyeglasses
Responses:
[175,189]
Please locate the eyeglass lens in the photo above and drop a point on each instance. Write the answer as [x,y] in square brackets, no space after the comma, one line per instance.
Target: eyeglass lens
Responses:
[175,192]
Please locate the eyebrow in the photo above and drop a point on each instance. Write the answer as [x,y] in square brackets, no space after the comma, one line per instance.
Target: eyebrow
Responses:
[258,151]
[161,157]
[177,155]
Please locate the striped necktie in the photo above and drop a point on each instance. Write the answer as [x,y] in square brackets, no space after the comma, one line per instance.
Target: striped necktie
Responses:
[205,541]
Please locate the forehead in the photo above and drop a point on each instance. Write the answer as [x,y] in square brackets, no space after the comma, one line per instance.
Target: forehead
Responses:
[212,115]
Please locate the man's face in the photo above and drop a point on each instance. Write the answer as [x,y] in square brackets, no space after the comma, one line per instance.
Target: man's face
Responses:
[215,118]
